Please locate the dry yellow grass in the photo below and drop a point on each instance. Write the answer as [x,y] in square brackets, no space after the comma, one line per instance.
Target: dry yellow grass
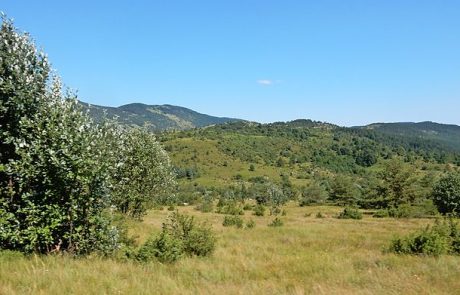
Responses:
[307,255]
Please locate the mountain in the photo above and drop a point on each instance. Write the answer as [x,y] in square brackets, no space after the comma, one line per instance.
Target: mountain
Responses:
[157,117]
[446,135]
[409,135]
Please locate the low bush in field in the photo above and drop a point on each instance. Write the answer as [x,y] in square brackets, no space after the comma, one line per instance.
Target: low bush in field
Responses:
[231,208]
[381,214]
[350,213]
[320,215]
[248,207]
[164,247]
[426,208]
[205,207]
[233,220]
[251,224]
[275,210]
[181,235]
[442,238]
[276,222]
[259,210]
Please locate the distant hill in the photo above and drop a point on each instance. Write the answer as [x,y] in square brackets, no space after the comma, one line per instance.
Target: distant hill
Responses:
[157,117]
[417,136]
[301,151]
[447,135]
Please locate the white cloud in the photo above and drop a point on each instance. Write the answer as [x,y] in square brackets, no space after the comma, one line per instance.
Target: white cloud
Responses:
[265,82]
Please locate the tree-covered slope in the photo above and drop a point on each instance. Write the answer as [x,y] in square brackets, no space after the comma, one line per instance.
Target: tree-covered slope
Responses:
[300,151]
[446,135]
[157,117]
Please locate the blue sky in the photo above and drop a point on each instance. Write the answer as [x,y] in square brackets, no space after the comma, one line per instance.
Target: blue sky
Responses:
[346,62]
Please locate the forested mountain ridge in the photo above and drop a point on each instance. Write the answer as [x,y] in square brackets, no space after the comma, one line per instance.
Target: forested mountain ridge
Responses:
[157,117]
[408,135]
[447,135]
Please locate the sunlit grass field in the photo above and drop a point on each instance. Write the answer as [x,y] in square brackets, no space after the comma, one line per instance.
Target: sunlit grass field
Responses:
[308,255]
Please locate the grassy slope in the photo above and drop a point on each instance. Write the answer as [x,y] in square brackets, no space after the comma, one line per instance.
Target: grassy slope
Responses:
[307,255]
[217,168]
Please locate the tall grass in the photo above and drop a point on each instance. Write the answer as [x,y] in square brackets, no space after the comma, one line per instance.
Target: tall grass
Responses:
[306,256]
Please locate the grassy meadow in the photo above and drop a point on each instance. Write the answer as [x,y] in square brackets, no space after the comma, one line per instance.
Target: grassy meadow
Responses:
[308,255]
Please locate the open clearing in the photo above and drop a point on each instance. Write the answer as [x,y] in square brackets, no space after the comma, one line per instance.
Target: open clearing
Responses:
[308,255]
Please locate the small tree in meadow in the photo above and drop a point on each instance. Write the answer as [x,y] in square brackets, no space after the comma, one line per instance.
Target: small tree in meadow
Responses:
[144,173]
[446,194]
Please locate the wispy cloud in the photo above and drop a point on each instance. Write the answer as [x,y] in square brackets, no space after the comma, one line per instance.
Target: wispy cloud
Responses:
[265,82]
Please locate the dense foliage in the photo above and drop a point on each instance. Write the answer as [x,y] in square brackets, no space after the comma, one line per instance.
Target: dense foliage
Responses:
[181,235]
[446,194]
[143,174]
[54,173]
[442,238]
[61,174]
[59,182]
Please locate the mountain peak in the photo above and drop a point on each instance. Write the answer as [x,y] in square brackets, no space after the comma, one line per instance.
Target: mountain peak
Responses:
[157,117]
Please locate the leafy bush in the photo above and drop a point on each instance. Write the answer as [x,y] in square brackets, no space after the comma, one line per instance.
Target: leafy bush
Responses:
[144,172]
[205,207]
[403,211]
[248,207]
[320,215]
[442,238]
[350,213]
[251,224]
[232,220]
[200,241]
[164,247]
[381,213]
[413,211]
[231,208]
[446,194]
[275,210]
[276,222]
[56,163]
[180,236]
[259,210]
[313,194]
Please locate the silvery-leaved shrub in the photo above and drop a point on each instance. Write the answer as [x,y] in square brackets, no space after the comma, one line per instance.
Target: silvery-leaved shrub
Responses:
[61,173]
[143,173]
[55,161]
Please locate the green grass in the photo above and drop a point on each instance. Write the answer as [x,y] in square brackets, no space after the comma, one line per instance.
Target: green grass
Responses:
[306,255]
[217,168]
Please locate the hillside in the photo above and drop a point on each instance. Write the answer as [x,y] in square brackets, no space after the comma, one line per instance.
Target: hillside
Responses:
[410,136]
[298,154]
[447,135]
[157,117]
